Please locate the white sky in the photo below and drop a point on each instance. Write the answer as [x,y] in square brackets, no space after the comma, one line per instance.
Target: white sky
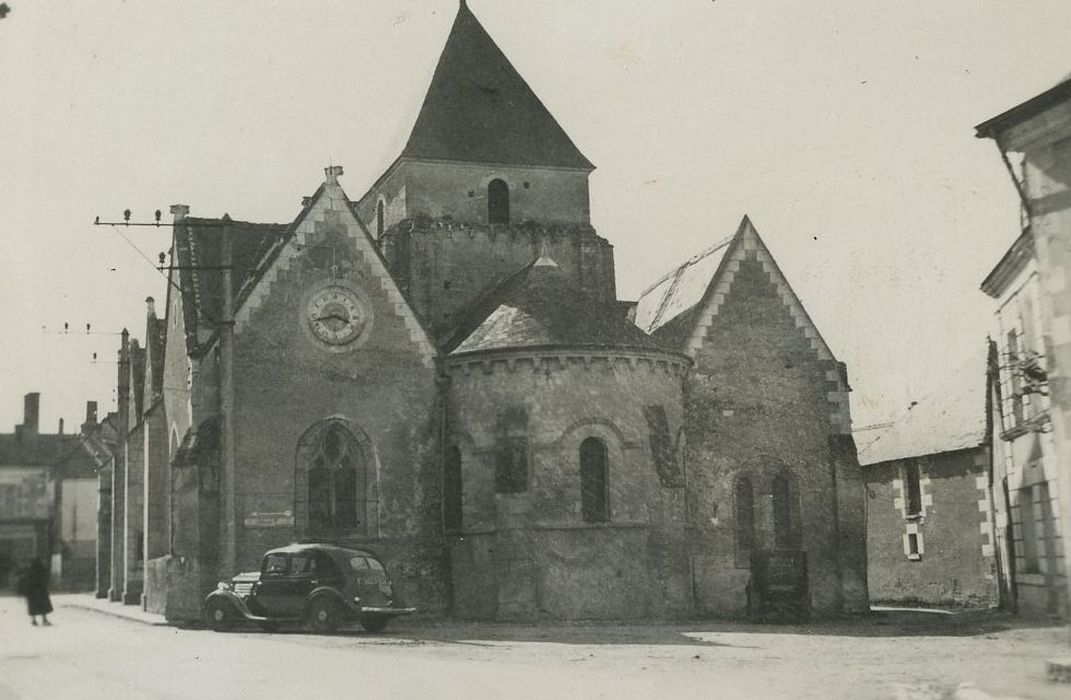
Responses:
[843,127]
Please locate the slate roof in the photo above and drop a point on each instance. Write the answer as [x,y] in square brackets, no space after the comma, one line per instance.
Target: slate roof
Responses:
[539,306]
[197,245]
[952,417]
[673,297]
[35,450]
[1026,110]
[479,109]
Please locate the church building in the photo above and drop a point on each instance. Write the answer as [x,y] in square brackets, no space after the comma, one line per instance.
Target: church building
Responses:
[441,370]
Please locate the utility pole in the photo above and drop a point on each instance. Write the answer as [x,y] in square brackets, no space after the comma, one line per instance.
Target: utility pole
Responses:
[226,403]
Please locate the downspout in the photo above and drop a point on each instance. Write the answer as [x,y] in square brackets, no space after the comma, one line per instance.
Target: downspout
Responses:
[226,404]
[442,388]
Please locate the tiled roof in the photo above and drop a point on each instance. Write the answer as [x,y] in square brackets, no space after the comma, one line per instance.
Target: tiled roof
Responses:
[541,307]
[952,417]
[198,246]
[677,292]
[479,109]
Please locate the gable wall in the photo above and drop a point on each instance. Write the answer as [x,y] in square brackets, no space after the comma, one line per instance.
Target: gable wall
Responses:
[285,382]
[757,401]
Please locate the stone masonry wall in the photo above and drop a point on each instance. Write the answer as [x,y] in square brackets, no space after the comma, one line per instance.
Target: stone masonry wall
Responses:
[956,564]
[757,404]
[445,266]
[459,191]
[383,386]
[530,554]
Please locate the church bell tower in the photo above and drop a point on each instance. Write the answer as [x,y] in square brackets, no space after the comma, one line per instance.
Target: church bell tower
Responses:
[486,179]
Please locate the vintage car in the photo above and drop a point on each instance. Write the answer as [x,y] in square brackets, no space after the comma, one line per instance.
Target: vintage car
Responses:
[322,585]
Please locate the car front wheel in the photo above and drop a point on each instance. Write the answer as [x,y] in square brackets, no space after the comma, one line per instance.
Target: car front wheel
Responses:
[324,615]
[220,615]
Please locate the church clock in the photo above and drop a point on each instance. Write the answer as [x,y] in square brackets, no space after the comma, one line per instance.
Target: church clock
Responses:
[336,315]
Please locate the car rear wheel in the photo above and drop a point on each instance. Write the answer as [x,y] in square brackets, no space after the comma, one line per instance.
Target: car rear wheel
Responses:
[324,615]
[374,623]
[220,615]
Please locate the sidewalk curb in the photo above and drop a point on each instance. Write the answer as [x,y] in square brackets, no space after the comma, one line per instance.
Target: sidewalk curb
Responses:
[116,614]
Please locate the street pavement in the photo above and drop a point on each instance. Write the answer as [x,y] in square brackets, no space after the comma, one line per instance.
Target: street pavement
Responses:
[906,656]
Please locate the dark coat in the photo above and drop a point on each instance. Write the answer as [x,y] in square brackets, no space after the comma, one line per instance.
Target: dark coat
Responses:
[34,586]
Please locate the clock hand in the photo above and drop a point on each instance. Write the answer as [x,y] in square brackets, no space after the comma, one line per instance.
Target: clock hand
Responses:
[332,316]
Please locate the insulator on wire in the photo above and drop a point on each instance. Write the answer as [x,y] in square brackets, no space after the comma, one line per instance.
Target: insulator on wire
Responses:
[126,215]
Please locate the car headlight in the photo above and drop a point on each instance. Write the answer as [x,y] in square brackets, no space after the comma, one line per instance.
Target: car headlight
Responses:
[223,586]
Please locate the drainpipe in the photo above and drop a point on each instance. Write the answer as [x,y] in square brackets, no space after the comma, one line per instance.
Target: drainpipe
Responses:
[226,404]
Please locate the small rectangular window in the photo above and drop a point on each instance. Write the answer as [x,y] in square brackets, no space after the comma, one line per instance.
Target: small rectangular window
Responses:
[511,468]
[913,544]
[912,489]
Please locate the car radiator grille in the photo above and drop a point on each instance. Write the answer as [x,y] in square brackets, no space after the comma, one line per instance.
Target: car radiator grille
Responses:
[243,589]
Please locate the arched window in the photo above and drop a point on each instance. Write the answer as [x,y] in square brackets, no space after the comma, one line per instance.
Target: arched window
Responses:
[594,481]
[379,218]
[452,513]
[744,500]
[782,512]
[335,481]
[497,202]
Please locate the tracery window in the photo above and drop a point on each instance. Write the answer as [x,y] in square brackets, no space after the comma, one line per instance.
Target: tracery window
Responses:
[335,481]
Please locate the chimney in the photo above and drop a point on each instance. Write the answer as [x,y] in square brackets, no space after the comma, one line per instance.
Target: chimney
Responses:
[31,411]
[91,417]
[60,431]
[179,211]
[333,173]
[150,303]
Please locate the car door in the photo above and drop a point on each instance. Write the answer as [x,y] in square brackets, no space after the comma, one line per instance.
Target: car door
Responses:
[301,581]
[271,591]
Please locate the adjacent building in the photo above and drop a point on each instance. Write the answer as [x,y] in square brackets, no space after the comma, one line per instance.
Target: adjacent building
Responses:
[1031,285]
[442,370]
[48,499]
[930,536]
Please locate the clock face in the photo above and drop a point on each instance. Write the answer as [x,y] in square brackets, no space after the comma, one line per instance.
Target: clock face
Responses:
[336,315]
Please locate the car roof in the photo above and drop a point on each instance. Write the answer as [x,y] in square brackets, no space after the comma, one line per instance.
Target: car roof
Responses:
[330,549]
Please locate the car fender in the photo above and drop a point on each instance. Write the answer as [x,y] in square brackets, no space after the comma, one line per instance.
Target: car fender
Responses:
[333,594]
[234,600]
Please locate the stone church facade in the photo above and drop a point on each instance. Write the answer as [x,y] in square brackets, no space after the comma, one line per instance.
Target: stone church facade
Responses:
[441,370]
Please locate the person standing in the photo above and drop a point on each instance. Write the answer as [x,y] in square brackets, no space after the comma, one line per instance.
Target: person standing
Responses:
[34,586]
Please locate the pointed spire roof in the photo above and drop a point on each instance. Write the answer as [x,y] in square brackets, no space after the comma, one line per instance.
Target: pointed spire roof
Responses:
[479,109]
